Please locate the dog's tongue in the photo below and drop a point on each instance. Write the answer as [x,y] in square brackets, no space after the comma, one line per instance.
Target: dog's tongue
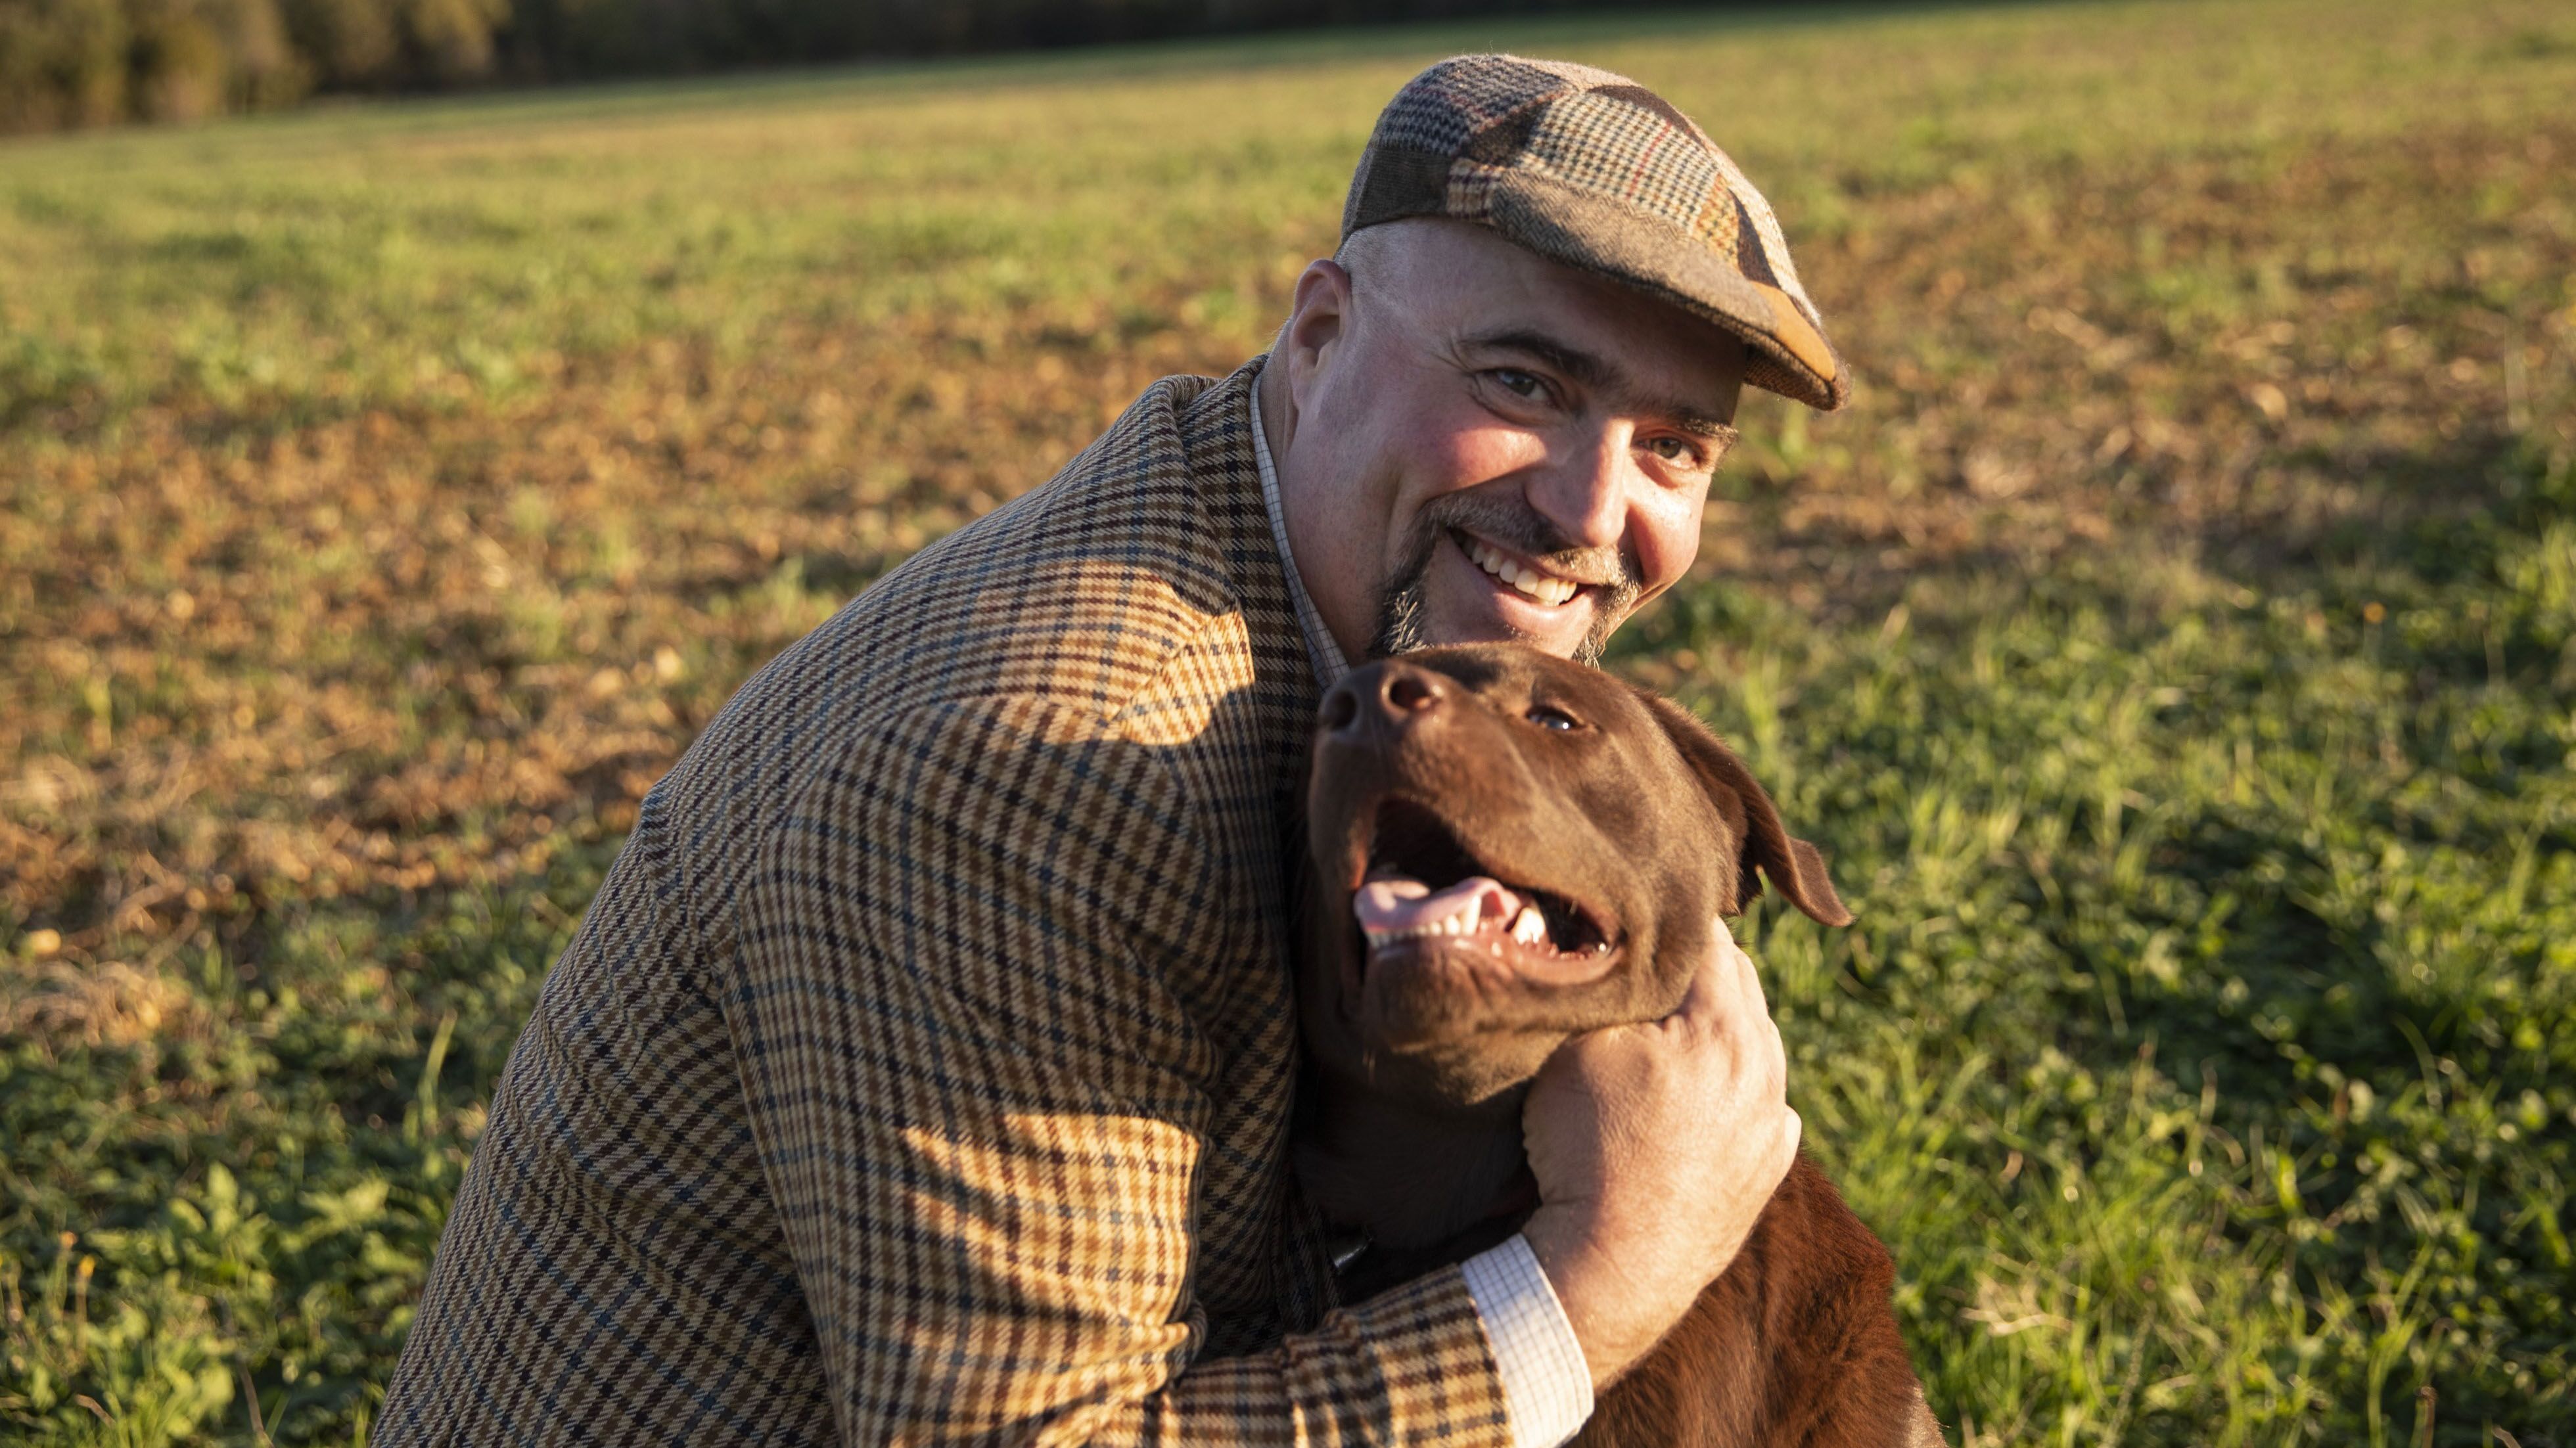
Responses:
[1398,906]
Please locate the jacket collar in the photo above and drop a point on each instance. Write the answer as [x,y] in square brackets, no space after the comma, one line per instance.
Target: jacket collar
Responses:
[1222,447]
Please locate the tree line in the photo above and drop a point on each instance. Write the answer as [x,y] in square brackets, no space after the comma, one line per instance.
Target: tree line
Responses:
[67,63]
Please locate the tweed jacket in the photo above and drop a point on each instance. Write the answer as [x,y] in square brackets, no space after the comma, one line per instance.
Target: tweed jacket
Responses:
[922,1071]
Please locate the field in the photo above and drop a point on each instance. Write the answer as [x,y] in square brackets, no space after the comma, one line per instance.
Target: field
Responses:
[2174,648]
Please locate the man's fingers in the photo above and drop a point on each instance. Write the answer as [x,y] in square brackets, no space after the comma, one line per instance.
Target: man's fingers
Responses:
[1744,1003]
[1713,991]
[1774,1168]
[1726,1002]
[1718,989]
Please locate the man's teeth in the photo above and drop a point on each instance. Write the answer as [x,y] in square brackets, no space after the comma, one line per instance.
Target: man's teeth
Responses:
[1530,581]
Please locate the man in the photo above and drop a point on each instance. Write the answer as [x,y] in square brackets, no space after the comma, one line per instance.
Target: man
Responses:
[923,1070]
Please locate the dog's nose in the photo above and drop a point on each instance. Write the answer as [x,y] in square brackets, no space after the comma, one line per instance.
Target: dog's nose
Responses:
[1387,694]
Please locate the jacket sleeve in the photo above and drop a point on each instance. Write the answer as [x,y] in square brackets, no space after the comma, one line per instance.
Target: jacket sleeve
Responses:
[980,1104]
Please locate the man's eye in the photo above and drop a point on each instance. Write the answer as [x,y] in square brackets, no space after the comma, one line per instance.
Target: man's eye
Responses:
[1548,716]
[1519,383]
[1675,450]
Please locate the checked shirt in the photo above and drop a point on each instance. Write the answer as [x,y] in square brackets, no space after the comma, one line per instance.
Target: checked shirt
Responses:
[921,1073]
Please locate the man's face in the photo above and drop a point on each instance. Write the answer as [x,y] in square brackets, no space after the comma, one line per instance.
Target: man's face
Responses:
[1483,445]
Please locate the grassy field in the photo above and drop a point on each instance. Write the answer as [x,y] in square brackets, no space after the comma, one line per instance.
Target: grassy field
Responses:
[2175,649]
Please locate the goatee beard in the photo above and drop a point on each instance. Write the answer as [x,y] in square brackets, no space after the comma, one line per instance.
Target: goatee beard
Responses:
[1515,526]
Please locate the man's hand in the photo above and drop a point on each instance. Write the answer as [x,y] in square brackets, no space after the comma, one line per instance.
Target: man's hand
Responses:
[1656,1147]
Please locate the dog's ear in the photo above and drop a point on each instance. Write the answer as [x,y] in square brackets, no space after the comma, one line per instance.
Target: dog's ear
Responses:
[1795,867]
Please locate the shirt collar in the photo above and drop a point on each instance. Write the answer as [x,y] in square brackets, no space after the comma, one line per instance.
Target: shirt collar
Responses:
[1322,652]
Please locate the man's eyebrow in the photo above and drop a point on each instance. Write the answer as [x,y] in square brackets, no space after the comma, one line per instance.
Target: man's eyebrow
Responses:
[1592,371]
[1574,362]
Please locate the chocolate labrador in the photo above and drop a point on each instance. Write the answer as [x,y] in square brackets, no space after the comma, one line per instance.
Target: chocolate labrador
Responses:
[1507,849]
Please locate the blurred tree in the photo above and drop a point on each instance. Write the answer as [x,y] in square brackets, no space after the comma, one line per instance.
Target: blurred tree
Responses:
[451,40]
[348,42]
[89,62]
[177,63]
[62,62]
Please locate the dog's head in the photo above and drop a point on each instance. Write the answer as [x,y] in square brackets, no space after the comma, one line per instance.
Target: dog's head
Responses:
[1508,849]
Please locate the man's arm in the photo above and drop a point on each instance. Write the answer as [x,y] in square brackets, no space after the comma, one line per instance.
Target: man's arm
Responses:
[980,1103]
[1656,1146]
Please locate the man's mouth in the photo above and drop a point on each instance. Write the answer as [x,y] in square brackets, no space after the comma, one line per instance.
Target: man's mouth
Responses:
[1423,892]
[1517,572]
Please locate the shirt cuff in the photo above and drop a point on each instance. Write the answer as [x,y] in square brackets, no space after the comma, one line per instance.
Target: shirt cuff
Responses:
[1547,1386]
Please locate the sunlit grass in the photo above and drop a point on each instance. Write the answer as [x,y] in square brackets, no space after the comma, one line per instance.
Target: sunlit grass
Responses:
[2171,648]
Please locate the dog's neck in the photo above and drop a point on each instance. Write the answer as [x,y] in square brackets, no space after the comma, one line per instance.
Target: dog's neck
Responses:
[1413,1179]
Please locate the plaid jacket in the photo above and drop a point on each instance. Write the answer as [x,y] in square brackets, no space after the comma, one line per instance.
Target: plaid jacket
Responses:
[921,1072]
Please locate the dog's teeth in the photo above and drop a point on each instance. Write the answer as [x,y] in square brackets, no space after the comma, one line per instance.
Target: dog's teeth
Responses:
[1529,927]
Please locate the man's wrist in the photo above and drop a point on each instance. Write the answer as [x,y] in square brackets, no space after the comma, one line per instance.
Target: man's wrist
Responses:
[1617,1315]
[1546,1377]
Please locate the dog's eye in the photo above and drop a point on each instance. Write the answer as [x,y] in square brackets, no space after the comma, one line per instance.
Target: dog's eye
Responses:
[1548,716]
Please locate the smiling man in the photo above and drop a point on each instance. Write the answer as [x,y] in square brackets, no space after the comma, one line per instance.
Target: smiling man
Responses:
[923,1072]
[1474,442]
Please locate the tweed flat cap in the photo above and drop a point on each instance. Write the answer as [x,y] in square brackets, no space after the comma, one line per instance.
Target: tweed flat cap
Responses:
[1595,171]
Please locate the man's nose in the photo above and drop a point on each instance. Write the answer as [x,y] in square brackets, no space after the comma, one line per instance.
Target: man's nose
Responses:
[1585,491]
[1382,700]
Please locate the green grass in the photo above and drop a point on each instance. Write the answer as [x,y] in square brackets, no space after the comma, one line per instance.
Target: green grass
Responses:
[2171,649]
[2204,1044]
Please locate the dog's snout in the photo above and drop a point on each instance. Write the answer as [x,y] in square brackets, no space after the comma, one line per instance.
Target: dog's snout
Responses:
[1341,707]
[1410,691]
[1384,695]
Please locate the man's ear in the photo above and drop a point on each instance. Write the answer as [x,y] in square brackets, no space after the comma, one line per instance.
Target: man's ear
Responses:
[1317,318]
[1795,867]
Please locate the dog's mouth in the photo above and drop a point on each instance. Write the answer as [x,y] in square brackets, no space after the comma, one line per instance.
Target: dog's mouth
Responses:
[1421,892]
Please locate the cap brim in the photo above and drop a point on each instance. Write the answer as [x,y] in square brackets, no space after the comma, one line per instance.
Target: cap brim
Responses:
[1592,233]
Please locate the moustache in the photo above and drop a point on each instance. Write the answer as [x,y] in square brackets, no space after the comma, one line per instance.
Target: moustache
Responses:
[1514,525]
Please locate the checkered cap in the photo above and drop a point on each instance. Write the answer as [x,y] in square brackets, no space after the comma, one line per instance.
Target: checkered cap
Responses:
[1593,170]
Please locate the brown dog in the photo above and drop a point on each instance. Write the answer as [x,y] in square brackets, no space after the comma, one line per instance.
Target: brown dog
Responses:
[1507,849]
